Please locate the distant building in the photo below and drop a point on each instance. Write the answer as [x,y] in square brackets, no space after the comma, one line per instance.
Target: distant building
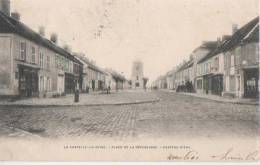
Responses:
[94,77]
[160,83]
[116,80]
[138,78]
[170,79]
[199,55]
[184,73]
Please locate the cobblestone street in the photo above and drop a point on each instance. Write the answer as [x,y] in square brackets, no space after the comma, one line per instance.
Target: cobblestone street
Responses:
[175,115]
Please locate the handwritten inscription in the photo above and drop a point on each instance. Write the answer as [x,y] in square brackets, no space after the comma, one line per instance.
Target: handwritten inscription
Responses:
[188,156]
[231,155]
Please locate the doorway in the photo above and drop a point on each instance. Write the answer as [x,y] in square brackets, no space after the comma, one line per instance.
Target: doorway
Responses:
[251,79]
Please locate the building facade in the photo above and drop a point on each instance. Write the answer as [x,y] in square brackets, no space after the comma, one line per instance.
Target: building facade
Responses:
[116,81]
[232,69]
[32,65]
[94,77]
[198,54]
[210,72]
[242,62]
[170,79]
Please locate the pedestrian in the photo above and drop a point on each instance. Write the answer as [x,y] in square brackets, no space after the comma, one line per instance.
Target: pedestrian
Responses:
[108,90]
[87,89]
[76,96]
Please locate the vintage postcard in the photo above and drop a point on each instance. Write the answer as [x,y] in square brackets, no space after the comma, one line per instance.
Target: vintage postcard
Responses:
[129,80]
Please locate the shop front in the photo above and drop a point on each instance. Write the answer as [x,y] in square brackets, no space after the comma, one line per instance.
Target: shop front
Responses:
[251,83]
[28,81]
[217,84]
[70,83]
[207,83]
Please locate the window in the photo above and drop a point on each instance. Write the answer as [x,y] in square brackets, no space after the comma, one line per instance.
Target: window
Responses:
[41,59]
[23,51]
[62,63]
[205,68]
[48,62]
[41,83]
[56,61]
[137,78]
[48,88]
[216,63]
[237,55]
[67,65]
[232,61]
[199,84]
[33,55]
[76,70]
[71,67]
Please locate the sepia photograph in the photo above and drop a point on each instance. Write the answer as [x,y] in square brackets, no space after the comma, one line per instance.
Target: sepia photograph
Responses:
[129,80]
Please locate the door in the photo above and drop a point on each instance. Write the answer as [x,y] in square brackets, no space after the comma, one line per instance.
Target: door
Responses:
[217,85]
[93,85]
[61,84]
[251,83]
[28,82]
[22,82]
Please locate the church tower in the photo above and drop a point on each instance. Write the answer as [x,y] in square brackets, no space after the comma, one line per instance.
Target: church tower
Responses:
[137,75]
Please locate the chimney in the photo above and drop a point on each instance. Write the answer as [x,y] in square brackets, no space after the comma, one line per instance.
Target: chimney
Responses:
[42,31]
[219,41]
[234,28]
[5,7]
[226,37]
[54,38]
[16,16]
[67,48]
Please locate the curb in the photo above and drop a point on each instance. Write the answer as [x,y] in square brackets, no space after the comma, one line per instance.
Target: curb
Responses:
[223,101]
[80,105]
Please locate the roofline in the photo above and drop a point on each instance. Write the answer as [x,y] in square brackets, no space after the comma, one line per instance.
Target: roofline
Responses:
[43,41]
[223,48]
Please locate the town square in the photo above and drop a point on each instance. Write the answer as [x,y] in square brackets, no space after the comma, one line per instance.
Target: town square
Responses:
[196,117]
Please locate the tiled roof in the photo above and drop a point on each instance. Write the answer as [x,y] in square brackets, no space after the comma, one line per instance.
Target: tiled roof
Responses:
[90,64]
[171,72]
[11,25]
[248,33]
[241,35]
[186,65]
[116,75]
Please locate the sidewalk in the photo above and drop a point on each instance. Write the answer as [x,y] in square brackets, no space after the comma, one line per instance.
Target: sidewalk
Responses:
[92,99]
[221,99]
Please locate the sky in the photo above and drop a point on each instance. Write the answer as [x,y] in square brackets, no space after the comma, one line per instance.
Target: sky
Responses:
[114,33]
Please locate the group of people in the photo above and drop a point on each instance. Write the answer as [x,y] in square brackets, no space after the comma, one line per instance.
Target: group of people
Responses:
[107,90]
[188,87]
